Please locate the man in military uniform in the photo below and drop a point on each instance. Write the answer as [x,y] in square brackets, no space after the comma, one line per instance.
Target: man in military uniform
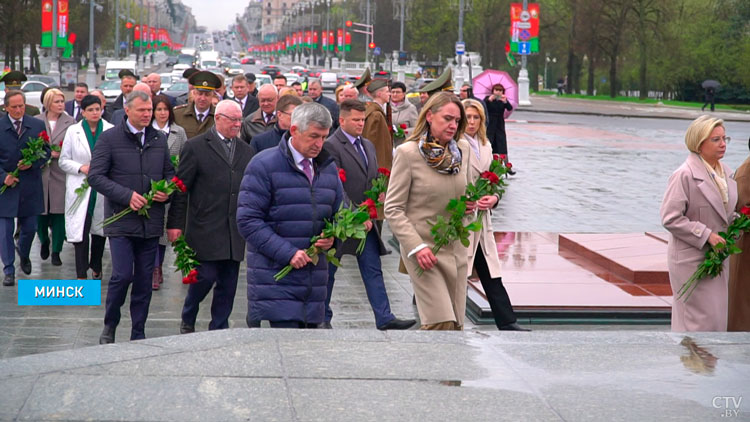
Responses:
[13,81]
[197,116]
[444,82]
[377,129]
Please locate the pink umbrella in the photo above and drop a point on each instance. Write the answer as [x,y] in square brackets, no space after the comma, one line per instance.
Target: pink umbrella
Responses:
[483,86]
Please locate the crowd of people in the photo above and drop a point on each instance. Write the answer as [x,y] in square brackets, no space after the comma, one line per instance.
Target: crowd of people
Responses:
[261,171]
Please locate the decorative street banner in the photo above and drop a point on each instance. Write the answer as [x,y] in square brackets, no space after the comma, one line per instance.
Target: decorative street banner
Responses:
[62,23]
[524,28]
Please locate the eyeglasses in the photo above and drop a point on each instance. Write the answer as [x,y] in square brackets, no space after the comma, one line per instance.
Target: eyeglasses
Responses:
[231,119]
[717,139]
[284,112]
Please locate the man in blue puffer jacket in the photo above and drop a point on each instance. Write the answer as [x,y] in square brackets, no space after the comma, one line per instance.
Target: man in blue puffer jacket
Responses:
[286,195]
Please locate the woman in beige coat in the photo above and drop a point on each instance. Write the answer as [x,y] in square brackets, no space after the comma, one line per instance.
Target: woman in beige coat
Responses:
[698,204]
[483,256]
[56,122]
[739,273]
[430,169]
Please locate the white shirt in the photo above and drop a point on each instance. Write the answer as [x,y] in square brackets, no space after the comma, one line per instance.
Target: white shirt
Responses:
[134,131]
[299,157]
[164,129]
[242,102]
[204,113]
[13,121]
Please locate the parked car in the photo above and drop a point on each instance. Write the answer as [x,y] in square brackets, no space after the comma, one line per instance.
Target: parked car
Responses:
[261,80]
[329,81]
[291,78]
[49,80]
[111,90]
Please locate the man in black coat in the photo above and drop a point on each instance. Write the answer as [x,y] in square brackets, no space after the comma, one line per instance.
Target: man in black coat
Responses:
[211,166]
[357,157]
[315,91]
[125,161]
[271,138]
[73,107]
[240,89]
[127,82]
[23,198]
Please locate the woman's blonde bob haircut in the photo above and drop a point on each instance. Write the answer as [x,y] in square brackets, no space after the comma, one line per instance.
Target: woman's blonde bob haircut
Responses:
[49,97]
[699,130]
[476,105]
[433,105]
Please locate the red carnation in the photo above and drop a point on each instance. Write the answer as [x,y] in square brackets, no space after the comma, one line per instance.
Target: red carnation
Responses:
[491,176]
[43,134]
[180,185]
[191,278]
[496,157]
[746,211]
[371,209]
[342,175]
[384,171]
[503,157]
[403,126]
[509,165]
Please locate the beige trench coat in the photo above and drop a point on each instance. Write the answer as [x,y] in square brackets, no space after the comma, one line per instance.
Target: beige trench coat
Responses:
[53,178]
[416,195]
[692,209]
[485,237]
[739,267]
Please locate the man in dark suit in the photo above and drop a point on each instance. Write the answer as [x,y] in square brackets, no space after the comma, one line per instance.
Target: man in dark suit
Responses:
[271,138]
[24,197]
[153,80]
[240,89]
[315,91]
[358,159]
[127,82]
[211,166]
[106,108]
[125,161]
[73,107]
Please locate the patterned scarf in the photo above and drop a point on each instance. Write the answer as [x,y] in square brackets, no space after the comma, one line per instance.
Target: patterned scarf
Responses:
[443,160]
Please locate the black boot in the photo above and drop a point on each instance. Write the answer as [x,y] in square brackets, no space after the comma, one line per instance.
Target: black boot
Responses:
[44,251]
[108,335]
[56,259]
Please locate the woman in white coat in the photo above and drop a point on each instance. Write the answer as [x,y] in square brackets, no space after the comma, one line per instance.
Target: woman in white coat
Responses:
[483,251]
[87,217]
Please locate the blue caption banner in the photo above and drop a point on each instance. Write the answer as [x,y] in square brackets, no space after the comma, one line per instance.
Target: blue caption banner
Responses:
[59,293]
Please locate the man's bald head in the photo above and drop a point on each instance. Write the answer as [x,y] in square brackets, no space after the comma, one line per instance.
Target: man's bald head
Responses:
[348,93]
[140,86]
[153,81]
[267,96]
[226,106]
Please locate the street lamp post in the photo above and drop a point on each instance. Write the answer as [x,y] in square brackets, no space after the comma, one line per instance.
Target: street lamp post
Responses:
[117,30]
[523,74]
[91,71]
[460,74]
[54,66]
[328,31]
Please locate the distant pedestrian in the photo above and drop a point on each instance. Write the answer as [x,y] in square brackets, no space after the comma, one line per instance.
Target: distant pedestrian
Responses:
[496,104]
[710,98]
[560,86]
[739,274]
[698,204]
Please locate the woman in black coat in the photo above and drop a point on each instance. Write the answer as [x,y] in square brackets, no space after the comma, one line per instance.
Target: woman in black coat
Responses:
[497,103]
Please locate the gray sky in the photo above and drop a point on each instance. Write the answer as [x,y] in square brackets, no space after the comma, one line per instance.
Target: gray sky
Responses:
[216,14]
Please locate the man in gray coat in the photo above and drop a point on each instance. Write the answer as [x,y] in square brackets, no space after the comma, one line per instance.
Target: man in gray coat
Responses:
[263,118]
[357,157]
[211,166]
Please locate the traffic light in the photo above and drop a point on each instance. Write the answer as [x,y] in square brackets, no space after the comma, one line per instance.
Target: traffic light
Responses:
[128,25]
[372,45]
[348,24]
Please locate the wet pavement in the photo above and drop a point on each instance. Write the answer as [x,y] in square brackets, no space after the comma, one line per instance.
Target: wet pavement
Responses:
[366,375]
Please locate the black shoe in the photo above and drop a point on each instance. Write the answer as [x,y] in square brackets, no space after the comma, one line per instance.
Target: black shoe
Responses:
[511,172]
[398,324]
[44,251]
[26,266]
[513,327]
[9,280]
[325,325]
[56,259]
[186,328]
[108,335]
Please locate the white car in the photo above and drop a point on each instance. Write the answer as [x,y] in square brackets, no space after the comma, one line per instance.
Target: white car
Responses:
[166,80]
[291,78]
[329,81]
[111,90]
[178,69]
[31,89]
[261,80]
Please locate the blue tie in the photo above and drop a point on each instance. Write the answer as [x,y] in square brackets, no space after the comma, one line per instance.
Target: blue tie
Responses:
[358,147]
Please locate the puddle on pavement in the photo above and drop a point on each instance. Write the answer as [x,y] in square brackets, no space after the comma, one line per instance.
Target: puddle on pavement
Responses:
[698,360]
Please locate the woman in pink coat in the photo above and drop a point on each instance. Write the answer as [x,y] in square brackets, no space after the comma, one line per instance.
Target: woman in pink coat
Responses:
[698,204]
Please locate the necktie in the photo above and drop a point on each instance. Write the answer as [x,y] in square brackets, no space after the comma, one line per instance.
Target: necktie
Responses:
[139,135]
[268,118]
[360,150]
[200,117]
[307,169]
[78,113]
[18,127]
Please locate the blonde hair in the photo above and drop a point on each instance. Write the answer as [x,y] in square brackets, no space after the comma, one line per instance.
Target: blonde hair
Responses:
[699,130]
[482,132]
[49,97]
[434,104]
[338,92]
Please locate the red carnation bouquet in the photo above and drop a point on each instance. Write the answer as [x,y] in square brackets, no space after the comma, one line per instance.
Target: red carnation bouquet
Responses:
[34,151]
[715,256]
[185,259]
[399,132]
[156,186]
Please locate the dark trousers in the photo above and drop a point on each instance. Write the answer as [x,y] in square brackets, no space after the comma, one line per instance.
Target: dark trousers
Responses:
[82,251]
[224,274]
[292,324]
[372,276]
[709,101]
[132,263]
[57,222]
[7,248]
[161,251]
[496,294]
